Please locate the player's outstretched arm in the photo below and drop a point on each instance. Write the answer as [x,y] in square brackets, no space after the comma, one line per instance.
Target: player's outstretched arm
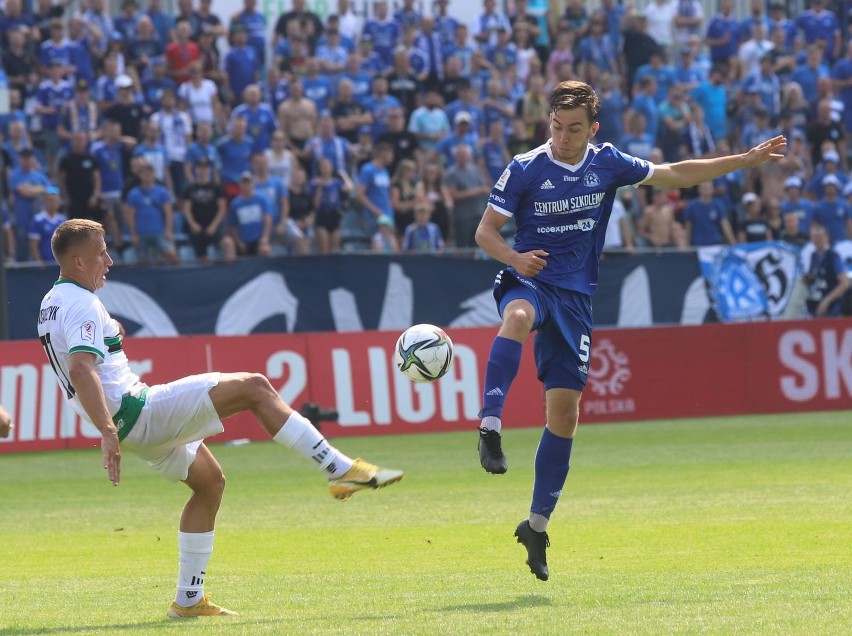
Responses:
[685,174]
[488,237]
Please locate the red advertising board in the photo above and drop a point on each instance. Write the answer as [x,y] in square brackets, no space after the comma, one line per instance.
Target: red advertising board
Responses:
[634,374]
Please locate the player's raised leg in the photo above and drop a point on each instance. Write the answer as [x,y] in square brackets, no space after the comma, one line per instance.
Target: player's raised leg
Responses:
[552,461]
[238,392]
[501,369]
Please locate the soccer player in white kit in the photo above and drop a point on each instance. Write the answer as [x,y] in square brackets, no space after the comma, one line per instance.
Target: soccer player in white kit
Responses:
[166,424]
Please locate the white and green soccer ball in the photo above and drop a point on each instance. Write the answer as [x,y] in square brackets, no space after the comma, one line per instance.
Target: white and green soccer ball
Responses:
[424,353]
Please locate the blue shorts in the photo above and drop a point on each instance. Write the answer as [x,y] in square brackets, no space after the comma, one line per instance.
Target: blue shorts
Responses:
[563,325]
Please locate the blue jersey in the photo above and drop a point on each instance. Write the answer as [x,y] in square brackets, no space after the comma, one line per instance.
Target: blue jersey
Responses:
[331,197]
[241,65]
[706,218]
[150,209]
[376,182]
[273,190]
[834,216]
[261,123]
[49,51]
[234,158]
[564,209]
[54,96]
[385,37]
[41,228]
[247,215]
[110,160]
[24,208]
[802,208]
[319,90]
[156,155]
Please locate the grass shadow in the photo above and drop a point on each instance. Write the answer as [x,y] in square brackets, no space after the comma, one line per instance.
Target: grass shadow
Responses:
[161,625]
[530,600]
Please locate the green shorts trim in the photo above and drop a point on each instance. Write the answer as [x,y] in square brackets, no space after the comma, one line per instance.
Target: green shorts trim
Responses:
[128,413]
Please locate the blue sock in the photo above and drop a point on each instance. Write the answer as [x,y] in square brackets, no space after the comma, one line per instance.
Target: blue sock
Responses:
[551,469]
[502,367]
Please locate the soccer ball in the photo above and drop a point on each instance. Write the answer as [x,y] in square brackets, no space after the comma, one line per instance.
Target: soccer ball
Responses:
[424,353]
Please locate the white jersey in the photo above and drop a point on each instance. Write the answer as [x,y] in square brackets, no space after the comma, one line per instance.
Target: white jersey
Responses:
[73,319]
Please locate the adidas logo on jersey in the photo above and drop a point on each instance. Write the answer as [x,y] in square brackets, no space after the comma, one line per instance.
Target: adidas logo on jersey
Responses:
[495,391]
[547,185]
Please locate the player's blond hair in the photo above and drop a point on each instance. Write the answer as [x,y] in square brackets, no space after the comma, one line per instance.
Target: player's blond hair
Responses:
[571,94]
[71,233]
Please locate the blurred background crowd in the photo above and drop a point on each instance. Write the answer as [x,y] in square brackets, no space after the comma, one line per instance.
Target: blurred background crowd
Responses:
[383,125]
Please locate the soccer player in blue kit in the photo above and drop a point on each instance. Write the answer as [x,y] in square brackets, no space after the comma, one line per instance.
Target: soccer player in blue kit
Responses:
[561,196]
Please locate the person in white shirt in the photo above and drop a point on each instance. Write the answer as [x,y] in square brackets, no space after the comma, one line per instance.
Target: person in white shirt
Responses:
[201,98]
[660,15]
[166,424]
[176,135]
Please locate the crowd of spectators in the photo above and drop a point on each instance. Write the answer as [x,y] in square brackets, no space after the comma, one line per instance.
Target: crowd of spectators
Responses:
[384,127]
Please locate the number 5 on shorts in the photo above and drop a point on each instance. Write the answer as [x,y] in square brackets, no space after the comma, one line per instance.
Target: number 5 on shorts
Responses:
[584,348]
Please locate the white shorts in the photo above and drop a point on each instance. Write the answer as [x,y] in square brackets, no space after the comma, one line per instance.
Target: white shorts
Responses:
[174,422]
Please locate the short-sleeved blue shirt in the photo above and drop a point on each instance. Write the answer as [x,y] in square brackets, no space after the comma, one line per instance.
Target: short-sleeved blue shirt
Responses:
[564,209]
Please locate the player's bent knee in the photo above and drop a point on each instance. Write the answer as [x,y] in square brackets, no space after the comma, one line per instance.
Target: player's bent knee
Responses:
[518,320]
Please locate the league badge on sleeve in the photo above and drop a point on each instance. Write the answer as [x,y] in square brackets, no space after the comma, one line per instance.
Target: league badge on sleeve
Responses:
[501,182]
[87,331]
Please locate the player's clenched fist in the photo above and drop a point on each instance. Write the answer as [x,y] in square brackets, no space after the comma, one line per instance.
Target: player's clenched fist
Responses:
[530,263]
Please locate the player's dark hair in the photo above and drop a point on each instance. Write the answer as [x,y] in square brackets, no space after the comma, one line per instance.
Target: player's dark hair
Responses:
[570,94]
[72,233]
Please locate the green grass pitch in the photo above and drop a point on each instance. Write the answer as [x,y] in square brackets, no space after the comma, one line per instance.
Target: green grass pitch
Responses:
[719,526]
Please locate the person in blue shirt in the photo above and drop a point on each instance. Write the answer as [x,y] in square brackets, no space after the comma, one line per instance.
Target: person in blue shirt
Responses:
[27,184]
[820,24]
[148,217]
[202,147]
[379,104]
[43,225]
[645,103]
[712,96]
[832,212]
[235,152]
[241,63]
[561,196]
[663,73]
[373,186]
[384,32]
[637,142]
[254,23]
[794,204]
[259,117]
[422,235]
[827,279]
[328,189]
[55,48]
[273,189]
[706,219]
[250,220]
[463,133]
[723,34]
[52,93]
[494,154]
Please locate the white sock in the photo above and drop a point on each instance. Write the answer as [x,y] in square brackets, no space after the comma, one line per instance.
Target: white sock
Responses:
[300,435]
[538,522]
[491,423]
[194,550]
